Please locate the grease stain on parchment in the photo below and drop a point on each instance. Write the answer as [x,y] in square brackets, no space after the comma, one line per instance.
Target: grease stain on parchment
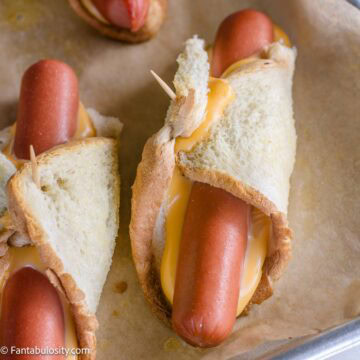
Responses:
[172,344]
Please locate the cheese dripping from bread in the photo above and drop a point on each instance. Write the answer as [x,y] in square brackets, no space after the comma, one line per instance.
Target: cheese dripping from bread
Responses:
[219,97]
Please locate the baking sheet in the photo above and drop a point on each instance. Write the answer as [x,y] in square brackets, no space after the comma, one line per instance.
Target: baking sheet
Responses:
[322,285]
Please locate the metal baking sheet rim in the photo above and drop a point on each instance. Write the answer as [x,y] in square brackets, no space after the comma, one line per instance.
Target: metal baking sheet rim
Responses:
[322,346]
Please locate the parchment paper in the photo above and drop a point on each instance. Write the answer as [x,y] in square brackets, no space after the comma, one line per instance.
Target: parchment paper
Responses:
[321,287]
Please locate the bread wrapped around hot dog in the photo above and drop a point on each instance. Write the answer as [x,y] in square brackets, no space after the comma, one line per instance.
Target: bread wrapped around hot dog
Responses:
[59,214]
[130,21]
[235,134]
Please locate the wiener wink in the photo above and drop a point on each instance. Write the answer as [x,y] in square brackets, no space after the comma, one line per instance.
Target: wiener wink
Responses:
[59,215]
[208,229]
[125,20]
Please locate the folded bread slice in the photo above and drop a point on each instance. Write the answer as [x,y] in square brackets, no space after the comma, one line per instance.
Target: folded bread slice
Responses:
[72,219]
[249,151]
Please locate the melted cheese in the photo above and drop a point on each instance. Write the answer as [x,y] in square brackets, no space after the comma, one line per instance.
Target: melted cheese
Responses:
[256,251]
[84,128]
[220,95]
[279,34]
[29,256]
[178,198]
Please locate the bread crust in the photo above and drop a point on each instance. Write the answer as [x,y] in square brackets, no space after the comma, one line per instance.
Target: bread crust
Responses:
[152,180]
[154,20]
[85,321]
[279,252]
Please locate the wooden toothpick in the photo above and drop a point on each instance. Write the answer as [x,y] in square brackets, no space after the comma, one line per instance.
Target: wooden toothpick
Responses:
[164,85]
[34,167]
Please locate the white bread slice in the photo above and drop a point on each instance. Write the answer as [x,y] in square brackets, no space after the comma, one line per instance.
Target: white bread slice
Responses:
[73,220]
[249,152]
[105,126]
[255,141]
[186,112]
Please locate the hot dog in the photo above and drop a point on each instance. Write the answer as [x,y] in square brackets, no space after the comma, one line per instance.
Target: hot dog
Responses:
[215,231]
[48,107]
[125,20]
[31,315]
[216,237]
[127,14]
[239,36]
[211,257]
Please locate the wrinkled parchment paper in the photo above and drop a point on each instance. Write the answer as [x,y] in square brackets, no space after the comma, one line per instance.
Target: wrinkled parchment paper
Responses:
[321,287]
